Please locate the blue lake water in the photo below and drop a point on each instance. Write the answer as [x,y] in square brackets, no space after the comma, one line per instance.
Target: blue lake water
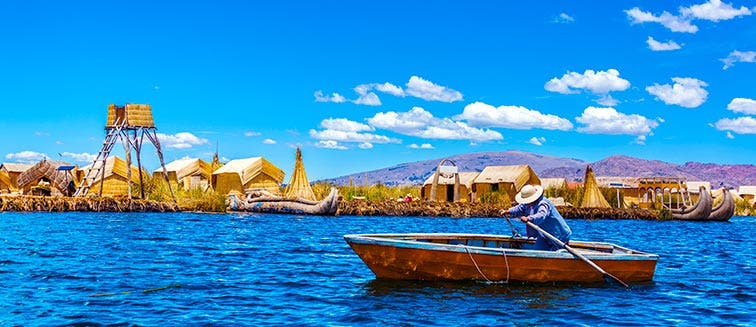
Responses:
[233,269]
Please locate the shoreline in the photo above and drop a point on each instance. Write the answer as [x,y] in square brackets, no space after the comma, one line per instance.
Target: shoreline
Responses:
[33,203]
[483,210]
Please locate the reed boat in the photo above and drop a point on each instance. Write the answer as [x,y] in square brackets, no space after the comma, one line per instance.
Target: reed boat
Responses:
[725,209]
[268,204]
[499,258]
[703,210]
[700,211]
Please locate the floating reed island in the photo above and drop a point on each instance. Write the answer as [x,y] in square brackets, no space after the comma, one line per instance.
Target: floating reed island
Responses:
[358,207]
[33,203]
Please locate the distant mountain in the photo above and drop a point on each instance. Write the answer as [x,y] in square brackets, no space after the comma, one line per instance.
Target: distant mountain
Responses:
[415,173]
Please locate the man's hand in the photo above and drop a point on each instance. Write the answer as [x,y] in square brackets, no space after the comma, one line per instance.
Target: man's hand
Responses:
[524,219]
[504,212]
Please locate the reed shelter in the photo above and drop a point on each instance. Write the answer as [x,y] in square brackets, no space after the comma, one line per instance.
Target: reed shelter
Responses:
[47,178]
[240,176]
[299,185]
[445,191]
[592,197]
[13,171]
[187,174]
[115,178]
[504,179]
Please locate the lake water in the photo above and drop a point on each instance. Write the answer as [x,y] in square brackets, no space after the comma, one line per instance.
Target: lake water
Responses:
[235,269]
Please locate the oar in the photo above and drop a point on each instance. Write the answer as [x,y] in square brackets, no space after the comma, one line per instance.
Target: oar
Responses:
[575,253]
[515,233]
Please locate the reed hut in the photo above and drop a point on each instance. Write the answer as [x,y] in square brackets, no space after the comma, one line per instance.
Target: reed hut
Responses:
[47,178]
[445,191]
[13,170]
[748,192]
[504,179]
[251,174]
[554,183]
[187,173]
[299,185]
[5,183]
[592,198]
[114,180]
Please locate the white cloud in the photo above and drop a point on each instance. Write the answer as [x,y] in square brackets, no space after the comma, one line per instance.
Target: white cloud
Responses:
[365,145]
[344,130]
[537,140]
[80,157]
[738,56]
[730,136]
[662,46]
[365,96]
[421,123]
[480,114]
[41,134]
[334,97]
[607,101]
[183,140]
[427,90]
[346,125]
[743,105]
[686,92]
[714,10]
[330,144]
[26,156]
[601,82]
[424,146]
[269,141]
[390,89]
[610,121]
[742,125]
[564,18]
[251,133]
[670,21]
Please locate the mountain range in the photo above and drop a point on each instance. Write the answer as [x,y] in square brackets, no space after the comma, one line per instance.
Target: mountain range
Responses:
[415,173]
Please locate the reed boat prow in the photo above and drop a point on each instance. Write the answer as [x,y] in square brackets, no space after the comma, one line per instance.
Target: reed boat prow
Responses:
[494,258]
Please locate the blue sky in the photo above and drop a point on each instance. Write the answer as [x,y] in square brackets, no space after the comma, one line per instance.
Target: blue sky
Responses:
[365,85]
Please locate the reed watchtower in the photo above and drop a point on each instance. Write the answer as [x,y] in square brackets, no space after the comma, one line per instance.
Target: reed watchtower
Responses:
[130,123]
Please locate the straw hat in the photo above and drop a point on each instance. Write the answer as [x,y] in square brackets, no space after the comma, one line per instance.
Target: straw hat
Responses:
[529,193]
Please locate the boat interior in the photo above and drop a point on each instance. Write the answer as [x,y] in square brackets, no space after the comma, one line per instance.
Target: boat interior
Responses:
[514,243]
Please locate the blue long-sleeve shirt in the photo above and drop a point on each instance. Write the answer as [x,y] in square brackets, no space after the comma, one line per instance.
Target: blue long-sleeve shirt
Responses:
[544,214]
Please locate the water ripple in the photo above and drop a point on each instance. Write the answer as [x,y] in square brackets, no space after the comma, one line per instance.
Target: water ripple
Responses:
[97,269]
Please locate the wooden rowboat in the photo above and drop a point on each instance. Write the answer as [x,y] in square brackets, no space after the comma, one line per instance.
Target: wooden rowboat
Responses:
[494,258]
[266,204]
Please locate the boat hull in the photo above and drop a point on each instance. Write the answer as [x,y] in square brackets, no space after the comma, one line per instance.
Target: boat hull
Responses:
[434,260]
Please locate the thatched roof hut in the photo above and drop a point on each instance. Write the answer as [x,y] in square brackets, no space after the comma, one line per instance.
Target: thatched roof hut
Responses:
[187,173]
[46,171]
[506,179]
[445,191]
[13,170]
[299,185]
[239,175]
[557,183]
[5,183]
[115,181]
[592,198]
